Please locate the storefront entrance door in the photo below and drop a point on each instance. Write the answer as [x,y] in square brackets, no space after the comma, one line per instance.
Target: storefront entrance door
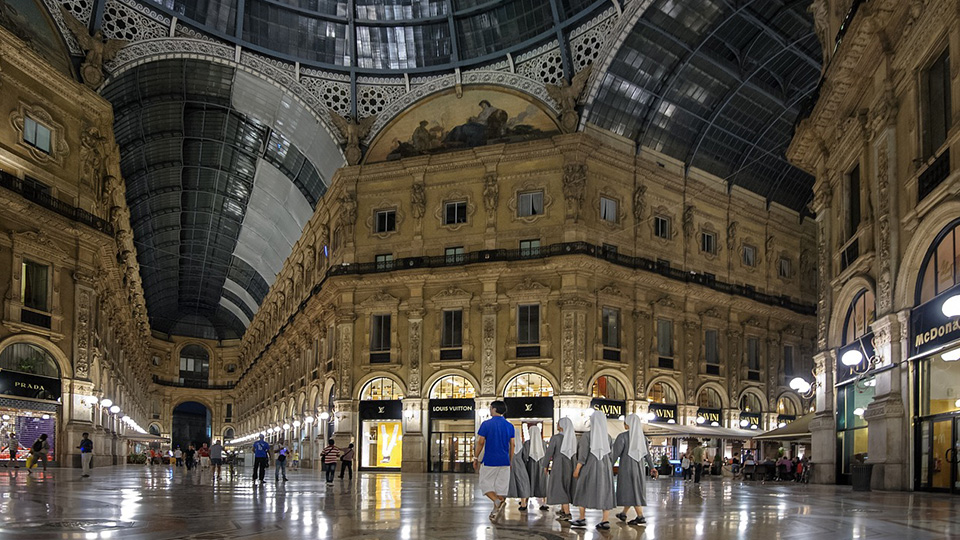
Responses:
[939,448]
[451,451]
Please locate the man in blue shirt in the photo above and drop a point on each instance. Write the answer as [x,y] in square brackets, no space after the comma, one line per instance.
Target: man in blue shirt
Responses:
[261,450]
[495,443]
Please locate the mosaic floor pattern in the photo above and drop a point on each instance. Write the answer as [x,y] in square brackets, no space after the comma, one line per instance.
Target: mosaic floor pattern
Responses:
[138,502]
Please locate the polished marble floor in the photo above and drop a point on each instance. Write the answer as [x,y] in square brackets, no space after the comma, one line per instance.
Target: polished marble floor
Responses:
[139,502]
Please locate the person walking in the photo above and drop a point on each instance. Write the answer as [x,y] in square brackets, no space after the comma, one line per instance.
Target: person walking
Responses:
[519,477]
[190,456]
[495,447]
[86,454]
[280,463]
[534,452]
[330,455]
[697,456]
[204,453]
[216,456]
[261,448]
[178,456]
[685,467]
[632,451]
[346,461]
[295,461]
[13,444]
[39,452]
[561,452]
[594,473]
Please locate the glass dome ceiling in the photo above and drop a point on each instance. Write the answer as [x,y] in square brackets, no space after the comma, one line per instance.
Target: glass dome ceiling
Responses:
[385,35]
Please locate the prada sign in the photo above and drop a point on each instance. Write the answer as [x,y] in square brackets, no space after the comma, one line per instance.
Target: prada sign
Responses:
[663,413]
[391,409]
[452,408]
[930,329]
[14,383]
[529,407]
[611,408]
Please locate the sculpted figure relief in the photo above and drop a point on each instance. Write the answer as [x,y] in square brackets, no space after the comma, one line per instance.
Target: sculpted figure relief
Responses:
[566,95]
[352,131]
[97,49]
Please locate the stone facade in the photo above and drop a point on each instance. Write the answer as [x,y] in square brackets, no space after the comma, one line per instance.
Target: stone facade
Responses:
[598,246]
[872,120]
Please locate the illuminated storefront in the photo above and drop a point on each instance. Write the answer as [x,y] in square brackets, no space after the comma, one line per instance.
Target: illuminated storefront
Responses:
[854,393]
[31,394]
[452,425]
[529,399]
[610,398]
[381,428]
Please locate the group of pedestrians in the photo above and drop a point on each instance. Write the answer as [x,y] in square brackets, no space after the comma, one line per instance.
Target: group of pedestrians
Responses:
[205,457]
[329,457]
[691,465]
[566,472]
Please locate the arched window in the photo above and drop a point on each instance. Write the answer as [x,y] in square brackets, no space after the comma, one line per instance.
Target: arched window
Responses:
[609,388]
[228,434]
[709,399]
[786,407]
[662,393]
[154,430]
[194,366]
[750,403]
[381,388]
[860,316]
[528,385]
[941,267]
[29,358]
[453,387]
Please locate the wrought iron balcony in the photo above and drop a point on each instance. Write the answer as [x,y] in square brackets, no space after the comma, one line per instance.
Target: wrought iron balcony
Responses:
[50,202]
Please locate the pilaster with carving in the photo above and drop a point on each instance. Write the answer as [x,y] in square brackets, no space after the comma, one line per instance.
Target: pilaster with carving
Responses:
[86,298]
[887,219]
[345,321]
[488,379]
[690,330]
[821,205]
[642,321]
[734,337]
[574,188]
[573,344]
[415,336]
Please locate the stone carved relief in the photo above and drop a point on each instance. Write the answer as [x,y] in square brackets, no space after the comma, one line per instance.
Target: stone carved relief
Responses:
[733,342]
[574,188]
[491,195]
[416,350]
[489,362]
[566,95]
[688,214]
[690,369]
[732,235]
[97,50]
[348,213]
[642,321]
[885,275]
[581,352]
[92,147]
[639,202]
[418,200]
[352,131]
[822,280]
[81,365]
[568,352]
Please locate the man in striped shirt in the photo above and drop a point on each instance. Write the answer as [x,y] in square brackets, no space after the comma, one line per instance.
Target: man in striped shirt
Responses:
[330,456]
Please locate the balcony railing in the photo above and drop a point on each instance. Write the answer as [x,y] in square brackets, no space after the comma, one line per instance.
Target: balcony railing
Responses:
[571,248]
[49,202]
[936,173]
[192,384]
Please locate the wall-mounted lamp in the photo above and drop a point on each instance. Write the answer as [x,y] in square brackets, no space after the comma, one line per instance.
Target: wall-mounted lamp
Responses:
[951,306]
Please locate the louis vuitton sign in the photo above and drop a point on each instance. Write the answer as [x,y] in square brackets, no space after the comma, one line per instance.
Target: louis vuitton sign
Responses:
[529,407]
[452,408]
[14,383]
[391,409]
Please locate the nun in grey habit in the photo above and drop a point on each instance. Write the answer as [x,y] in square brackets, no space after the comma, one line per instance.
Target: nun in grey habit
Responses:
[519,479]
[632,451]
[594,473]
[536,470]
[562,453]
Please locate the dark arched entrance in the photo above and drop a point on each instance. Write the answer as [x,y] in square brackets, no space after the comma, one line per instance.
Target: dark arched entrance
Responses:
[191,424]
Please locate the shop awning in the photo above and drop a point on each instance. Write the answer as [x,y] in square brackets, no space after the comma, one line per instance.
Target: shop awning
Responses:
[655,429]
[797,430]
[145,437]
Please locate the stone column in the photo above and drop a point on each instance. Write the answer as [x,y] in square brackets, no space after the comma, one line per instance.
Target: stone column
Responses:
[643,329]
[823,427]
[573,343]
[887,230]
[888,441]
[414,442]
[345,424]
[488,352]
[821,205]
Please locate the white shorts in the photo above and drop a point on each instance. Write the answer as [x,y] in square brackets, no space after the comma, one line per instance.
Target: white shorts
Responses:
[494,479]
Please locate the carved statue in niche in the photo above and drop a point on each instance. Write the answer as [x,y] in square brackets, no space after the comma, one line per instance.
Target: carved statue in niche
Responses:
[566,96]
[418,200]
[732,235]
[821,23]
[348,212]
[574,187]
[97,49]
[491,193]
[688,213]
[639,201]
[352,131]
[91,156]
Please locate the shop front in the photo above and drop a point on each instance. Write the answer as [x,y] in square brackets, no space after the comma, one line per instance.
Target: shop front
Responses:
[935,351]
[854,391]
[529,400]
[381,425]
[452,425]
[30,399]
[610,398]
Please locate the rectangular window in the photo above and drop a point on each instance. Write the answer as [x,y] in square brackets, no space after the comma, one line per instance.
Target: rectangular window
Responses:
[34,285]
[784,268]
[530,248]
[753,354]
[936,102]
[384,261]
[608,209]
[34,185]
[229,410]
[710,349]
[386,221]
[749,256]
[455,212]
[36,134]
[665,338]
[788,368]
[708,243]
[452,334]
[853,196]
[611,328]
[530,203]
[528,324]
[661,227]
[454,255]
[379,333]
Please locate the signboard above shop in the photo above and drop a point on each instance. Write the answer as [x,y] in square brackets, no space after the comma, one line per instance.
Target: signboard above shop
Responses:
[663,413]
[529,407]
[930,329]
[610,407]
[14,383]
[386,409]
[452,409]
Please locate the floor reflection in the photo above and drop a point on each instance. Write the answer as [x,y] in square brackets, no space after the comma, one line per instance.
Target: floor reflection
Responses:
[134,503]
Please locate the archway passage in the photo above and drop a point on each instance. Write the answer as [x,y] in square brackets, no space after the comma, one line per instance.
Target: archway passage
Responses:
[191,424]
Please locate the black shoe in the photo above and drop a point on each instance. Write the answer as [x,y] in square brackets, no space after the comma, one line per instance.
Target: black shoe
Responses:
[85,476]
[603,525]
[544,508]
[284,478]
[638,521]
[578,523]
[522,508]
[621,516]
